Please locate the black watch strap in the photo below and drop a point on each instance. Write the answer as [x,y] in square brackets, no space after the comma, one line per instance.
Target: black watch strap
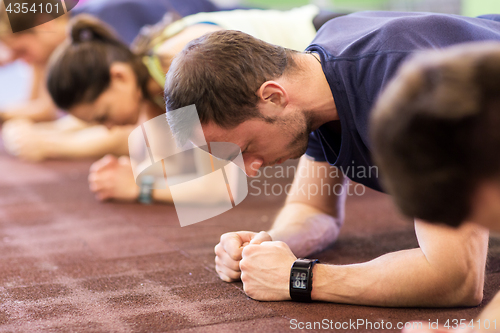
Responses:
[301,279]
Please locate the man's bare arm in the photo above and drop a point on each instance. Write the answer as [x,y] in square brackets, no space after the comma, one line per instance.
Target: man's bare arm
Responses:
[447,270]
[309,224]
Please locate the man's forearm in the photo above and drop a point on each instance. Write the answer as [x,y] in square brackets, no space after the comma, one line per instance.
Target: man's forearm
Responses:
[305,229]
[396,279]
[409,277]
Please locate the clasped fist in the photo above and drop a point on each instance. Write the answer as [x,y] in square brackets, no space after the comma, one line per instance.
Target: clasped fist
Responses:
[262,265]
[228,252]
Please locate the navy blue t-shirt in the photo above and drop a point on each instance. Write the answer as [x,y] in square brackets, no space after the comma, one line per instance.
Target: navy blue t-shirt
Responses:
[127,17]
[360,53]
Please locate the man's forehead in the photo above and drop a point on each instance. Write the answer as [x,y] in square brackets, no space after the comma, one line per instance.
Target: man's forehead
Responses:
[215,133]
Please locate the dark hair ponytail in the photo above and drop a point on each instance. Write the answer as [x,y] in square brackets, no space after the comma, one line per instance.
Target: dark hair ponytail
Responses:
[86,28]
[79,71]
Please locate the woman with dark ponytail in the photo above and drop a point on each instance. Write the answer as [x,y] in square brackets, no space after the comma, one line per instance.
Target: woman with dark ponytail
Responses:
[88,63]
[98,79]
[21,38]
[86,74]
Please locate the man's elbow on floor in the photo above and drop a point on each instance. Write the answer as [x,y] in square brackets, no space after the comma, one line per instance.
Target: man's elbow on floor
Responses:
[473,292]
[466,291]
[470,273]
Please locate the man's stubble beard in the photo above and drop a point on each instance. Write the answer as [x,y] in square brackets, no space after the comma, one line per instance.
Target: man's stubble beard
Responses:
[298,145]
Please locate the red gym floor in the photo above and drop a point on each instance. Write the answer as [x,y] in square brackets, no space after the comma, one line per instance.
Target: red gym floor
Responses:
[71,264]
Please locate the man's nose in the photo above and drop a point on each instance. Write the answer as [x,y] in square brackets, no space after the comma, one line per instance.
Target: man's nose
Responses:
[252,165]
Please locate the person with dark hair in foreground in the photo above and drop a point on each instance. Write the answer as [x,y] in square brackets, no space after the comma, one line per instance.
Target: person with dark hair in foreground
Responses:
[278,104]
[436,138]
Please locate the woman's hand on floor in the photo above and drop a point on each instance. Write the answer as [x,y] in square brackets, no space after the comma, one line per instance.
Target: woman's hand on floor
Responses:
[112,178]
[22,139]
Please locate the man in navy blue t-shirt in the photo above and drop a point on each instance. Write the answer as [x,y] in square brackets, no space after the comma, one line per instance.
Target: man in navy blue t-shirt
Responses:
[278,104]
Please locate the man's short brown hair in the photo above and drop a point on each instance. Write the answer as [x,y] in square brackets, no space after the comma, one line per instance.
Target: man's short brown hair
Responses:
[220,73]
[436,131]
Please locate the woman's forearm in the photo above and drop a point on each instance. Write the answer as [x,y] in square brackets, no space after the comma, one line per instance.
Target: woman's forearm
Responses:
[36,110]
[94,141]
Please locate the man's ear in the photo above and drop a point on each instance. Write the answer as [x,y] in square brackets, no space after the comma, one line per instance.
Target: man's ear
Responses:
[271,92]
[121,72]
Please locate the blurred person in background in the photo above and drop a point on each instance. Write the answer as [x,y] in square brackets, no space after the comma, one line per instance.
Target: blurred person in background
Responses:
[98,79]
[35,45]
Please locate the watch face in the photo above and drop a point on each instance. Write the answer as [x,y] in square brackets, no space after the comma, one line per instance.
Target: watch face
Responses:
[299,279]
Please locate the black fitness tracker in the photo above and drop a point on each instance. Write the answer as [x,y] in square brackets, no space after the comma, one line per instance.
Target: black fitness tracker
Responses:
[301,279]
